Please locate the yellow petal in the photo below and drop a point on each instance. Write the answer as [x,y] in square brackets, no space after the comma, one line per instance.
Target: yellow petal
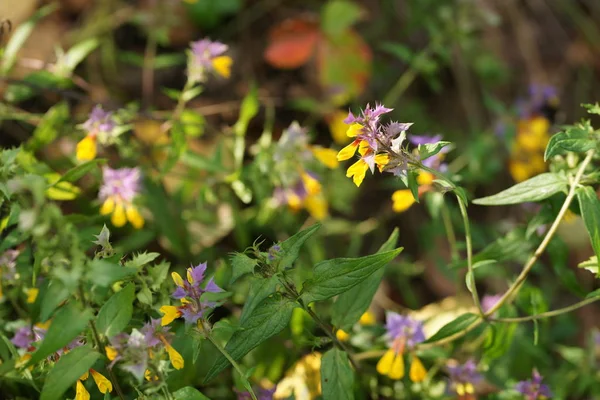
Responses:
[294,201]
[469,388]
[177,279]
[104,385]
[317,207]
[347,152]
[311,185]
[149,377]
[111,352]
[327,157]
[32,295]
[367,319]
[86,148]
[171,313]
[84,376]
[337,127]
[382,160]
[363,148]
[357,171]
[384,366]
[354,130]
[397,370]
[341,335]
[189,275]
[222,65]
[119,218]
[402,200]
[108,206]
[417,371]
[134,217]
[425,178]
[80,392]
[175,357]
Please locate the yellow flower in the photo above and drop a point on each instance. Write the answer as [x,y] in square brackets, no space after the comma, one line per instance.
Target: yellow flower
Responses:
[338,127]
[80,392]
[327,157]
[134,217]
[175,357]
[391,364]
[311,185]
[303,380]
[367,319]
[222,65]
[171,313]
[402,200]
[103,384]
[348,152]
[317,207]
[32,295]
[357,172]
[118,218]
[86,148]
[354,130]
[425,178]
[341,335]
[149,377]
[111,352]
[464,388]
[417,371]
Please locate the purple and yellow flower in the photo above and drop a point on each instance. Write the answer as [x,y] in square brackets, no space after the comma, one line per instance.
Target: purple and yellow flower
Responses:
[189,292]
[99,127]
[404,333]
[158,335]
[117,194]
[208,56]
[462,379]
[534,389]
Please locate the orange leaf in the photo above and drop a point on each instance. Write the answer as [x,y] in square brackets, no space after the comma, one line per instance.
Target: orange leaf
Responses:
[292,43]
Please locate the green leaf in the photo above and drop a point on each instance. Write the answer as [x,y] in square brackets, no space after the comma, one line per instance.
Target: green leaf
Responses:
[459,324]
[77,54]
[104,273]
[590,211]
[116,313]
[141,259]
[576,138]
[413,185]
[68,323]
[248,110]
[592,108]
[241,265]
[55,294]
[337,16]
[67,371]
[189,393]
[290,248]
[47,130]
[352,304]
[260,289]
[535,189]
[590,265]
[76,173]
[431,149]
[332,277]
[268,319]
[337,377]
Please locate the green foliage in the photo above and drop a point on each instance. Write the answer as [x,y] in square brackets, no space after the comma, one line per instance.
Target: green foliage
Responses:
[337,377]
[537,188]
[115,314]
[67,371]
[590,211]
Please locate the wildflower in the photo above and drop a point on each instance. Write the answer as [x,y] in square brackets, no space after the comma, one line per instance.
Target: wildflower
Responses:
[303,380]
[404,333]
[342,335]
[367,319]
[189,293]
[207,56]
[26,336]
[118,191]
[99,127]
[131,350]
[102,383]
[157,335]
[403,199]
[462,380]
[534,389]
[489,301]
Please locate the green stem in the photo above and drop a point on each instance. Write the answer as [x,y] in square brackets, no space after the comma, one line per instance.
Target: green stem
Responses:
[234,363]
[549,314]
[470,274]
[405,80]
[506,298]
[447,220]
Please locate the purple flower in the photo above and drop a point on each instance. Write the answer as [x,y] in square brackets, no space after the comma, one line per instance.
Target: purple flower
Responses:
[489,301]
[422,139]
[134,353]
[261,394]
[539,97]
[404,330]
[99,121]
[533,388]
[26,336]
[120,184]
[462,378]
[206,56]
[154,333]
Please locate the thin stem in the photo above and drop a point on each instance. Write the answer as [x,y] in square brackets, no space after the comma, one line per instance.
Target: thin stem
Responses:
[530,263]
[549,314]
[470,274]
[234,363]
[449,232]
[405,80]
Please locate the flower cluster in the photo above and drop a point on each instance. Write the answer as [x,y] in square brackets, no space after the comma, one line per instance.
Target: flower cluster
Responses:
[117,194]
[207,56]
[534,389]
[403,333]
[134,351]
[533,132]
[189,292]
[297,186]
[462,378]
[100,127]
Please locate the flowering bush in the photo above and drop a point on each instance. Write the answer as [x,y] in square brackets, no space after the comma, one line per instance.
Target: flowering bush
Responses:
[166,262]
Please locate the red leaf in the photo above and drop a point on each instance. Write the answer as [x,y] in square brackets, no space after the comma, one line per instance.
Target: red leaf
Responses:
[292,43]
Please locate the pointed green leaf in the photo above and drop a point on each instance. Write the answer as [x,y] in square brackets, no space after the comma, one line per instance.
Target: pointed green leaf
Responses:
[67,371]
[189,393]
[337,376]
[459,324]
[576,138]
[260,289]
[590,211]
[535,189]
[105,273]
[241,265]
[141,259]
[290,248]
[333,277]
[116,313]
[76,173]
